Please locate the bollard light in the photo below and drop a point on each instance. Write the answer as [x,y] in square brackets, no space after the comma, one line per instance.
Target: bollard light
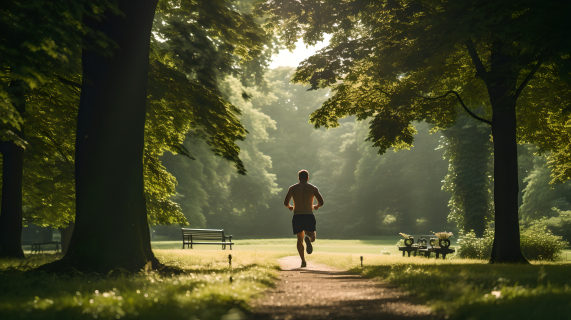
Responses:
[361,261]
[230,263]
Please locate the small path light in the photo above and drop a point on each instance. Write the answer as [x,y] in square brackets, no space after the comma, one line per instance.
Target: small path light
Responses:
[230,260]
[361,261]
[230,279]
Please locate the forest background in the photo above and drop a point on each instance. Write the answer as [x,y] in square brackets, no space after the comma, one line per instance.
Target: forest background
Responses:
[443,182]
[422,189]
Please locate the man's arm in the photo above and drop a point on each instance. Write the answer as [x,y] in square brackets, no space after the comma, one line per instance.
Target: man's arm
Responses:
[319,199]
[287,199]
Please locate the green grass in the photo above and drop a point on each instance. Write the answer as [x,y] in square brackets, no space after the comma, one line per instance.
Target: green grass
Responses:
[203,292]
[471,289]
[461,288]
[367,245]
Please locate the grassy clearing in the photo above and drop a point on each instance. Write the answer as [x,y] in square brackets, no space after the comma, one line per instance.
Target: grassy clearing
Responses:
[203,292]
[367,245]
[472,289]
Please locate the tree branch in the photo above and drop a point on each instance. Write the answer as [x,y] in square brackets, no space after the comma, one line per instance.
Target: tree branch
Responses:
[461,102]
[529,76]
[69,82]
[480,69]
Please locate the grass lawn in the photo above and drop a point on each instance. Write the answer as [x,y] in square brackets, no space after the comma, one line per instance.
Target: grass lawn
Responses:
[368,245]
[471,289]
[463,289]
[204,292]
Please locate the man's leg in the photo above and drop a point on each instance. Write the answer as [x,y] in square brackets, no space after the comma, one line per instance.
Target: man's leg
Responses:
[300,246]
[312,235]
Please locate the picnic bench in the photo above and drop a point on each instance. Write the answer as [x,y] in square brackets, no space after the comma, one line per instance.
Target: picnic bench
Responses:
[429,243]
[191,237]
[37,246]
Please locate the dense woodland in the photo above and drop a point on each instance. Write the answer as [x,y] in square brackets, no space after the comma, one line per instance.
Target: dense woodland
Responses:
[418,116]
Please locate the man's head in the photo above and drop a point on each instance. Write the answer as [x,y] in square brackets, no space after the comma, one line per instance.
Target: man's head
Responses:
[303,175]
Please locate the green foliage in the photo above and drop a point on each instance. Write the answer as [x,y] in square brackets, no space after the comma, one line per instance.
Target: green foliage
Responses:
[468,148]
[208,187]
[469,246]
[43,38]
[365,194]
[183,93]
[537,243]
[539,196]
[559,223]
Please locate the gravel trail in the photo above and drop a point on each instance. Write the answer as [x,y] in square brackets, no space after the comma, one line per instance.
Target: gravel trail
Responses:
[323,292]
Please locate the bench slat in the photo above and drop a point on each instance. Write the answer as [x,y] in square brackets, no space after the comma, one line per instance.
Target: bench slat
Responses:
[218,243]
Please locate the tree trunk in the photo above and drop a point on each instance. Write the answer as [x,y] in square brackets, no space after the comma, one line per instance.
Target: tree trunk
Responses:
[12,174]
[111,229]
[11,211]
[506,248]
[66,236]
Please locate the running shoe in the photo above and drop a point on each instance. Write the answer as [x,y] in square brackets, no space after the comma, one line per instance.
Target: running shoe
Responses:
[308,245]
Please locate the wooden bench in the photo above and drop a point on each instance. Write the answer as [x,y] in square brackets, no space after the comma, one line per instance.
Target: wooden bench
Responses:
[37,246]
[205,236]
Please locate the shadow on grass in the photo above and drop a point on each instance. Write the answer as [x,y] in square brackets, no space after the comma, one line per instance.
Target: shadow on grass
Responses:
[484,291]
[195,294]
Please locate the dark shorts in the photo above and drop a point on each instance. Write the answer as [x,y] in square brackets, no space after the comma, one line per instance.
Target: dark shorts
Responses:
[303,222]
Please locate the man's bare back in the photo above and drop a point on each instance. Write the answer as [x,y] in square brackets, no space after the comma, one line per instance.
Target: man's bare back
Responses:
[303,222]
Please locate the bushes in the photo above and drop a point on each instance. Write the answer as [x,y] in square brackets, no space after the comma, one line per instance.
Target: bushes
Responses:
[559,224]
[537,243]
[472,247]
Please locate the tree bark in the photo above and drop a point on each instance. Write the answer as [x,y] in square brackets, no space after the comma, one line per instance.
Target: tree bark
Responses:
[501,84]
[111,229]
[12,174]
[66,236]
[506,247]
[11,211]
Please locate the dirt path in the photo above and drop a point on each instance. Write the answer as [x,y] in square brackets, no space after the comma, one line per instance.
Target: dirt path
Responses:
[322,292]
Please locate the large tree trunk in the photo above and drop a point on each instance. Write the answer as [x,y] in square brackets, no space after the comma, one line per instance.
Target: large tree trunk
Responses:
[11,212]
[66,236]
[111,229]
[506,247]
[12,174]
[501,83]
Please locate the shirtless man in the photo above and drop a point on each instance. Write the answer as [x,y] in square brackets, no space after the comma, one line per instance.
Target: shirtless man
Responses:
[303,222]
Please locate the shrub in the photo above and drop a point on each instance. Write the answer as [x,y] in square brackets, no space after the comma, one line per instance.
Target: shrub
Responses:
[471,247]
[537,243]
[560,224]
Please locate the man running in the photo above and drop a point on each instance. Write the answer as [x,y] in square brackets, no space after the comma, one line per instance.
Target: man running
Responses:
[303,222]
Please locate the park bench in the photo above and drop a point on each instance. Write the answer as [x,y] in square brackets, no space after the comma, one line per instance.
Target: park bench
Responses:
[429,243]
[37,246]
[205,236]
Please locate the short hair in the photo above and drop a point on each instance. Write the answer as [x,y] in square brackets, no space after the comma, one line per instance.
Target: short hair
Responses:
[303,175]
